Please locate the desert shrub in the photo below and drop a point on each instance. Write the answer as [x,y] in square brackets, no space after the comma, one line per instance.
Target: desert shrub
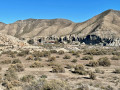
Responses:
[30,57]
[117,70]
[87,58]
[75,53]
[20,54]
[74,60]
[79,69]
[58,69]
[6,62]
[82,86]
[10,75]
[27,78]
[69,66]
[51,59]
[47,53]
[43,84]
[53,64]
[104,61]
[66,57]
[38,54]
[36,65]
[0,68]
[93,63]
[53,51]
[44,76]
[95,52]
[16,61]
[0,78]
[92,75]
[61,52]
[37,59]
[57,56]
[115,57]
[17,67]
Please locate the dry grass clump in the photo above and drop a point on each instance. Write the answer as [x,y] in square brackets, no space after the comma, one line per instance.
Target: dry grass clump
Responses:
[80,69]
[115,57]
[117,70]
[27,78]
[95,52]
[36,65]
[92,75]
[104,61]
[60,52]
[43,84]
[74,60]
[6,62]
[97,70]
[58,69]
[41,54]
[53,51]
[67,57]
[93,63]
[16,61]
[87,57]
[17,67]
[43,76]
[69,66]
[30,57]
[51,59]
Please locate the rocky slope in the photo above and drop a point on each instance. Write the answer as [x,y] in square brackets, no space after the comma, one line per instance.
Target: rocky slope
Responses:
[105,26]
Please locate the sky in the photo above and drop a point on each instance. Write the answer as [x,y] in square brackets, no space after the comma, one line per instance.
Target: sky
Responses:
[74,10]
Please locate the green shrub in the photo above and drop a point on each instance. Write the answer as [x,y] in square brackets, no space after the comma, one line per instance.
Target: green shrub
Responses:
[66,57]
[61,52]
[27,78]
[36,65]
[16,61]
[6,62]
[87,58]
[93,63]
[58,69]
[104,61]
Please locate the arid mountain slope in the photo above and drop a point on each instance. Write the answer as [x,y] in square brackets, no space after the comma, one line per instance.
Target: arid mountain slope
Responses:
[104,25]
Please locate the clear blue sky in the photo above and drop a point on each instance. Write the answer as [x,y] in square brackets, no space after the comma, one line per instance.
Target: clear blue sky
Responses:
[75,10]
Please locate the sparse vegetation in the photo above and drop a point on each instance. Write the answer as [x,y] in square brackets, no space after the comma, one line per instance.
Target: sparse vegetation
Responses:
[117,70]
[66,57]
[61,52]
[92,75]
[6,62]
[93,63]
[58,69]
[87,58]
[36,65]
[27,78]
[51,59]
[104,61]
[16,61]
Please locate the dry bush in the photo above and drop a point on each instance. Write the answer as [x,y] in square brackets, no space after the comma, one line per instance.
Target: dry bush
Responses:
[10,75]
[17,67]
[30,57]
[115,57]
[74,60]
[97,70]
[67,57]
[93,63]
[60,52]
[0,68]
[46,53]
[38,54]
[16,61]
[117,70]
[53,51]
[104,61]
[58,69]
[44,76]
[87,58]
[51,59]
[69,66]
[6,62]
[27,78]
[80,69]
[42,84]
[36,65]
[92,75]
